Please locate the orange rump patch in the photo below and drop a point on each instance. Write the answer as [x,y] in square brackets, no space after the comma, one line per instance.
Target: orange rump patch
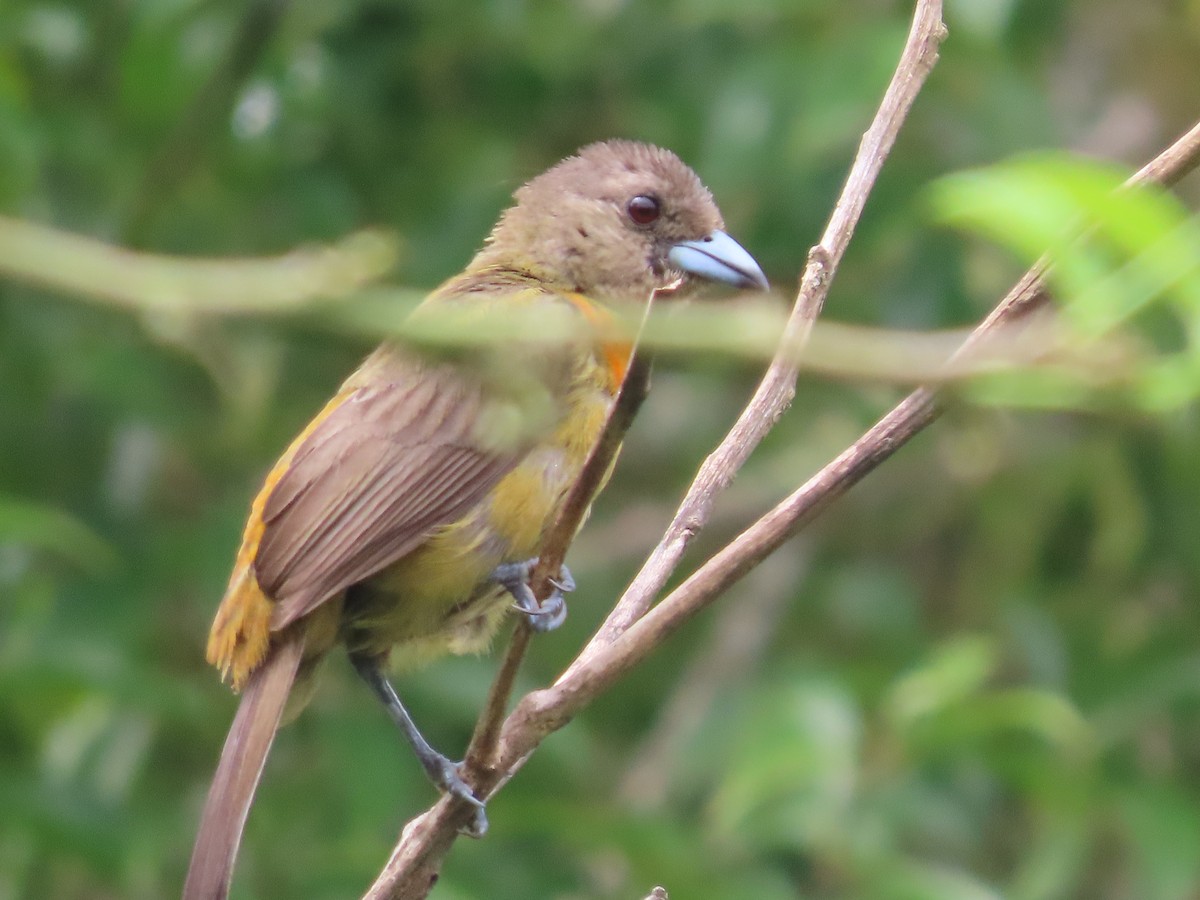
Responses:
[241,633]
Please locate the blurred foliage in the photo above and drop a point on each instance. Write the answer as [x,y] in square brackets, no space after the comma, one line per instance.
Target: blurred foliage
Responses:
[1116,257]
[982,678]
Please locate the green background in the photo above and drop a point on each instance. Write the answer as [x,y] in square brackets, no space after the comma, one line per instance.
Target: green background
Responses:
[977,676]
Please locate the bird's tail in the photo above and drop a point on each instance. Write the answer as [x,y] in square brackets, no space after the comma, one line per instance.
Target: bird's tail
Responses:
[239,770]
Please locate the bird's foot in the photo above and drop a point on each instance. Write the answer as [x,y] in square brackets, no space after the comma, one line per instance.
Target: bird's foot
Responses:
[441,771]
[444,773]
[550,613]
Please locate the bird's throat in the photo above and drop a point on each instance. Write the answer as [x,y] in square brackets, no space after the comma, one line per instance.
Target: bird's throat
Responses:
[615,353]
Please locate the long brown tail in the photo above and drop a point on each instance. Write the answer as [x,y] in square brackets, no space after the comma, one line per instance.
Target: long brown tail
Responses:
[239,770]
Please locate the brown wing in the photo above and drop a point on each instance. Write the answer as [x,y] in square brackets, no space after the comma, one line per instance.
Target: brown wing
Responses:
[389,464]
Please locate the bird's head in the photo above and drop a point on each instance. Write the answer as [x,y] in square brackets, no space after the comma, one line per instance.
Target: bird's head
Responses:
[617,221]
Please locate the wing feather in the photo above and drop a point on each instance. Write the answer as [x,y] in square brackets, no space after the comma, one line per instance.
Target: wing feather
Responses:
[387,466]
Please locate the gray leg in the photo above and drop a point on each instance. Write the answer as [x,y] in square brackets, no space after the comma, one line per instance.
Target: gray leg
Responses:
[440,770]
[514,578]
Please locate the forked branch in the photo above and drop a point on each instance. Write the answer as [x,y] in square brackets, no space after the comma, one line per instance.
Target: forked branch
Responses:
[630,636]
[632,632]
[593,672]
[416,859]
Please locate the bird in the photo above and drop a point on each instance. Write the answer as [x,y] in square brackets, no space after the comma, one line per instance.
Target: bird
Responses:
[403,522]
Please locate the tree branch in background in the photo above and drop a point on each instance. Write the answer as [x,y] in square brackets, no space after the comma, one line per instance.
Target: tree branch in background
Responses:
[413,867]
[154,284]
[334,288]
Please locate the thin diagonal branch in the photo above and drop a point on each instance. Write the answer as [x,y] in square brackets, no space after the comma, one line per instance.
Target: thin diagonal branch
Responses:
[544,711]
[775,391]
[480,757]
[554,550]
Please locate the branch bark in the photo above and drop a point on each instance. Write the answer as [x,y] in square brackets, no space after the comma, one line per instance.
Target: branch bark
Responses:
[632,394]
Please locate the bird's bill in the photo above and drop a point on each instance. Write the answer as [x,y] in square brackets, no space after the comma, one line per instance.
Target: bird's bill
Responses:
[719,257]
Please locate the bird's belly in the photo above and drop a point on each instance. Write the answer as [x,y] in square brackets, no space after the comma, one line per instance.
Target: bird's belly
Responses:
[439,598]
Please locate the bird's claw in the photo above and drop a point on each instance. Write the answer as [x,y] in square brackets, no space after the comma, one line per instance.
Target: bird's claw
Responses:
[548,616]
[565,582]
[445,776]
[544,616]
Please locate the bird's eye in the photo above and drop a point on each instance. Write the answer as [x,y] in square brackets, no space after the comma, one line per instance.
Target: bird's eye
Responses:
[644,209]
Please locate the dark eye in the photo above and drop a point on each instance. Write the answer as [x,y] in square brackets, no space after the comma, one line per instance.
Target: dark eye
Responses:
[644,209]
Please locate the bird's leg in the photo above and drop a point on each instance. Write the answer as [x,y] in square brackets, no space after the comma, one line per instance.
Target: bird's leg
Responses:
[441,771]
[552,612]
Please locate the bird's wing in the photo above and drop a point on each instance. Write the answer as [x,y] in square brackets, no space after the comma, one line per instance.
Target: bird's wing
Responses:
[387,463]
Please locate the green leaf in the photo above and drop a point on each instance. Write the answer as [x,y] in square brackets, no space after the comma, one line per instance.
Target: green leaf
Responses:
[957,670]
[1116,255]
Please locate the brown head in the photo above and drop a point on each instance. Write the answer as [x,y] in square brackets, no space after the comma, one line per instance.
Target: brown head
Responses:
[617,220]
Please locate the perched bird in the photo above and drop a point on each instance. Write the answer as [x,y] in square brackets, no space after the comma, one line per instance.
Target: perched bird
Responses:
[405,519]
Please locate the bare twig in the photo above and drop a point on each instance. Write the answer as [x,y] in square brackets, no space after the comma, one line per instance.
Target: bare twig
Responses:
[777,387]
[546,710]
[554,550]
[428,838]
[413,866]
[397,880]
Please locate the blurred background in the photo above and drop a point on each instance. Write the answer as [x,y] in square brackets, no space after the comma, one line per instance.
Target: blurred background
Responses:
[977,676]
